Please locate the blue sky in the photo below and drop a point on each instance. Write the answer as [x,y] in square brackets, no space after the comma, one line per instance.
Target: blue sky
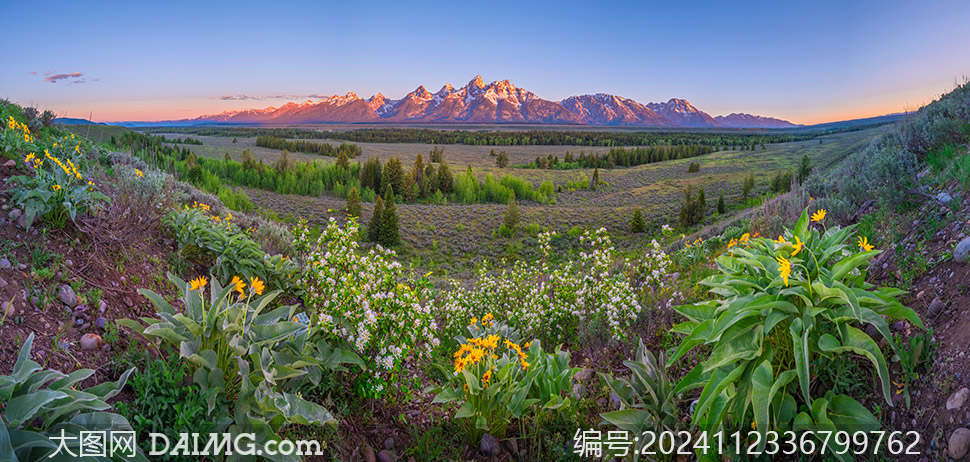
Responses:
[809,62]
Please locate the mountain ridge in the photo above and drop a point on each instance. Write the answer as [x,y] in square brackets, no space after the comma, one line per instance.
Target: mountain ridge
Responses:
[498,102]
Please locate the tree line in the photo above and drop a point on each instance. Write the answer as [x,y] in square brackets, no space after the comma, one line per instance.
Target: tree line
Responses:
[323,149]
[619,157]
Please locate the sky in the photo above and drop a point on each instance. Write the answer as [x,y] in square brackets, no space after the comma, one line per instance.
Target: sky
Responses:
[807,62]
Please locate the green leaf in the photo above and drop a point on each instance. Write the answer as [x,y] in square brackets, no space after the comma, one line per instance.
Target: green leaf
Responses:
[24,408]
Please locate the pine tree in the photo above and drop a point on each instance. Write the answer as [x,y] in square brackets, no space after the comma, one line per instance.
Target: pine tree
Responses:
[805,169]
[595,181]
[512,216]
[389,233]
[721,208]
[445,178]
[502,160]
[748,186]
[637,224]
[375,224]
[343,161]
[394,175]
[353,203]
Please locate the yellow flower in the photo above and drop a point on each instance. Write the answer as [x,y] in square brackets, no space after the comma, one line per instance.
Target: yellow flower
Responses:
[819,215]
[473,322]
[256,286]
[238,285]
[784,269]
[781,239]
[486,377]
[139,173]
[56,187]
[198,283]
[864,244]
[797,246]
[527,344]
[733,243]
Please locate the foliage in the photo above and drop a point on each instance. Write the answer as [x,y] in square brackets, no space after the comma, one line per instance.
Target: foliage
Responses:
[637,223]
[779,306]
[389,234]
[243,353]
[694,167]
[39,404]
[55,190]
[495,381]
[163,403]
[692,208]
[648,400]
[353,203]
[553,302]
[650,272]
[913,356]
[512,215]
[233,251]
[369,301]
[323,149]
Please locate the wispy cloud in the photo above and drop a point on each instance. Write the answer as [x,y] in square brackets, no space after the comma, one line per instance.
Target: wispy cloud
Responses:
[71,78]
[267,97]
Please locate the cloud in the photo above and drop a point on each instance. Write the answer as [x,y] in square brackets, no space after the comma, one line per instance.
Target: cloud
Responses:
[267,97]
[54,78]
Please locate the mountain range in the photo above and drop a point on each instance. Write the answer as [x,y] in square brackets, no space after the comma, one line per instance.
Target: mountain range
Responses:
[498,102]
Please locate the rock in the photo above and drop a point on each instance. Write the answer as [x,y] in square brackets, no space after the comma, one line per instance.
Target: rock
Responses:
[102,306]
[919,295]
[91,342]
[100,322]
[488,444]
[67,295]
[4,263]
[579,390]
[386,456]
[962,251]
[872,332]
[944,198]
[7,309]
[106,348]
[958,399]
[959,443]
[936,307]
[14,214]
[129,302]
[10,163]
[3,283]
[21,266]
[369,454]
[584,375]
[389,443]
[899,326]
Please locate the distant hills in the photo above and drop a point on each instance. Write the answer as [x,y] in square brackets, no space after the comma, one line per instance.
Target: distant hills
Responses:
[499,102]
[75,121]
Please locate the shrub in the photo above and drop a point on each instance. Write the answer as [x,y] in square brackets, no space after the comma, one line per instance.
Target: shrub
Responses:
[555,303]
[353,203]
[694,167]
[648,400]
[368,301]
[779,307]
[497,381]
[243,354]
[38,406]
[637,223]
[512,215]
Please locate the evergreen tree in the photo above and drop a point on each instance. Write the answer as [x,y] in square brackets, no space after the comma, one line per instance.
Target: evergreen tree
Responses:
[721,208]
[394,175]
[748,186]
[502,160]
[284,163]
[389,232]
[353,203]
[805,169]
[445,178]
[370,174]
[512,216]
[637,224]
[375,224]
[595,181]
[343,161]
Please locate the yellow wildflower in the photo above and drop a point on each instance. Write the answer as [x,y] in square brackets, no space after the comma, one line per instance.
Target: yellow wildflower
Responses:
[56,187]
[198,283]
[797,246]
[864,244]
[238,285]
[139,173]
[486,377]
[256,286]
[784,268]
[781,239]
[819,215]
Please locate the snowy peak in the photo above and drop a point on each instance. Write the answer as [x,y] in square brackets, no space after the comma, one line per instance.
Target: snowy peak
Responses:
[497,102]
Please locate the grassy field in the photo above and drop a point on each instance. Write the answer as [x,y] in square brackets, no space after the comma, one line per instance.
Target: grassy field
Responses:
[452,238]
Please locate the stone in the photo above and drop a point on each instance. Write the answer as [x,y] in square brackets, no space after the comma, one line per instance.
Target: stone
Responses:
[129,302]
[584,375]
[944,198]
[100,322]
[3,283]
[962,251]
[386,456]
[958,399]
[579,390]
[102,306]
[67,295]
[936,307]
[14,214]
[10,163]
[7,309]
[488,444]
[899,326]
[369,454]
[91,341]
[959,443]
[4,263]
[389,443]
[22,222]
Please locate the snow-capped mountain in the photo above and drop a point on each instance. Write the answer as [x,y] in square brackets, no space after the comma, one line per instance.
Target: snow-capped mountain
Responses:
[496,102]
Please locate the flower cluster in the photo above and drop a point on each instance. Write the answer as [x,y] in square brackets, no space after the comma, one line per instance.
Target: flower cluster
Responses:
[652,270]
[366,299]
[554,302]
